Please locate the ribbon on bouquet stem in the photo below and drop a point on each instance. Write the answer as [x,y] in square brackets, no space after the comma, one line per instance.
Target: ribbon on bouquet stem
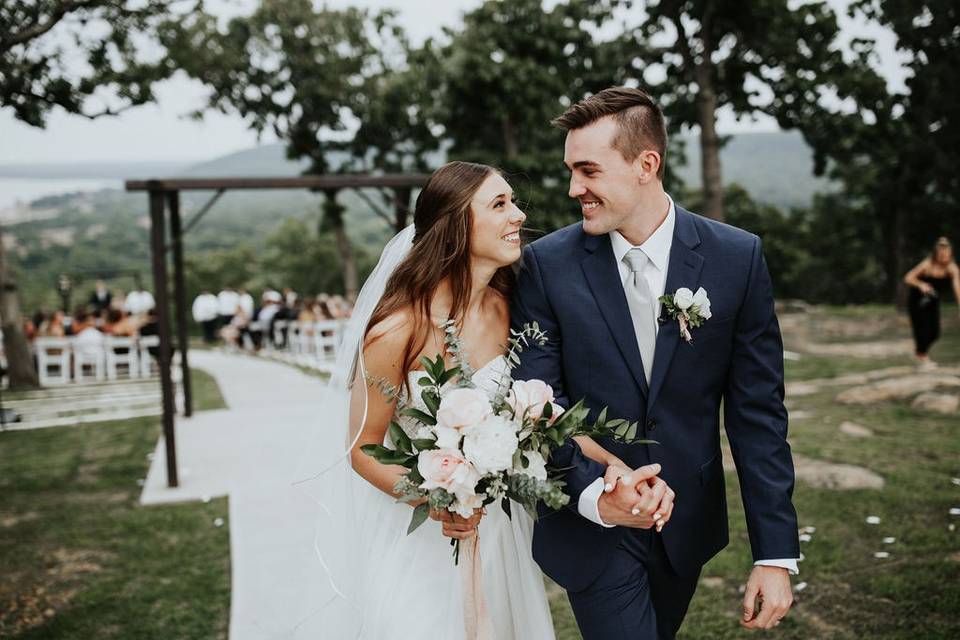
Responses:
[476,618]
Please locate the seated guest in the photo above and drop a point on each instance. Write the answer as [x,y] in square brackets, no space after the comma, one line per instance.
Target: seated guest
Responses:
[120,324]
[89,339]
[53,326]
[206,312]
[81,321]
[227,302]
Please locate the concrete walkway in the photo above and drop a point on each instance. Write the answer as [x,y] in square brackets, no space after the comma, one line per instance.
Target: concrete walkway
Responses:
[251,452]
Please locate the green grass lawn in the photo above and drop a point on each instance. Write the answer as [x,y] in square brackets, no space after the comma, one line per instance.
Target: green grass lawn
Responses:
[81,559]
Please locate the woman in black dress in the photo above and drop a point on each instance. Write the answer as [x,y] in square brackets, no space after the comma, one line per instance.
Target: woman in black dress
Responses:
[929,281]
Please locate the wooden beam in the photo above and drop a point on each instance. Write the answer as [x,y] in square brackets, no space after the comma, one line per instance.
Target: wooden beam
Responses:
[163,323]
[333,181]
[180,298]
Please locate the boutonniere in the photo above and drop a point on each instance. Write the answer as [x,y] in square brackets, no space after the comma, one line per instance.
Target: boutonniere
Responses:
[689,309]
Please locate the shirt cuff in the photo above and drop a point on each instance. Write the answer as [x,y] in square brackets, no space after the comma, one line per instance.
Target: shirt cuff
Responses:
[790,564]
[588,504]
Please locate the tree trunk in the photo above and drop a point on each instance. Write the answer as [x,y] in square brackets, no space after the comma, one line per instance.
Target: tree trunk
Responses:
[20,369]
[709,144]
[897,258]
[333,212]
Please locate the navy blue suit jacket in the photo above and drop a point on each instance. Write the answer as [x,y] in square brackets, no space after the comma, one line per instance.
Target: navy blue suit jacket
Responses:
[569,282]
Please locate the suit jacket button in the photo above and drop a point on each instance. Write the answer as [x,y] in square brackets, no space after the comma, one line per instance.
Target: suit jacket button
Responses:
[651,424]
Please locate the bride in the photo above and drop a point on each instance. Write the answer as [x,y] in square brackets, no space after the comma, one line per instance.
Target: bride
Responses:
[454,262]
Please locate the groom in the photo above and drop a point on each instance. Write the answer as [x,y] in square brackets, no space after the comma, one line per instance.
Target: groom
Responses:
[594,287]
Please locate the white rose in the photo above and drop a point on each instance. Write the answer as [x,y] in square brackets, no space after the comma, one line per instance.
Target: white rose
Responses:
[702,302]
[447,438]
[683,298]
[536,465]
[465,505]
[463,482]
[530,396]
[462,408]
[490,445]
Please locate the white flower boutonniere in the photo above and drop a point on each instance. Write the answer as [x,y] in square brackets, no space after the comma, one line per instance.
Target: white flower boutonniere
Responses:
[689,309]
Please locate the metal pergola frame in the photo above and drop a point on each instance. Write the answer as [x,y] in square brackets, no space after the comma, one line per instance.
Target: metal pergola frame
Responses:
[163,196]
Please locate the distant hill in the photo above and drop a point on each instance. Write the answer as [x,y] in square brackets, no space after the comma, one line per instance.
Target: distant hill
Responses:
[775,167]
[267,161]
[106,231]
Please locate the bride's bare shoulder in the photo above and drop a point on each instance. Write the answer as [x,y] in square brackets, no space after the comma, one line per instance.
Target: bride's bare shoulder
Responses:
[393,330]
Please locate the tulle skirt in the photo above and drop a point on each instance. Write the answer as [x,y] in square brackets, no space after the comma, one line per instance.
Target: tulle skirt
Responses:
[409,586]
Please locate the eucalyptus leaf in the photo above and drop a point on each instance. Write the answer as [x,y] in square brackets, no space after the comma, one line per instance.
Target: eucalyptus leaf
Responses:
[424,444]
[400,439]
[420,514]
[432,400]
[447,375]
[419,415]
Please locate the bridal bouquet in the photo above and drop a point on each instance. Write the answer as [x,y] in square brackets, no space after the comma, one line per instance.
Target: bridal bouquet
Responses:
[469,450]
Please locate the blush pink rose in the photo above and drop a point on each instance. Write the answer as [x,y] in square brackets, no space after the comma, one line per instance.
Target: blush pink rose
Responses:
[461,408]
[447,469]
[530,396]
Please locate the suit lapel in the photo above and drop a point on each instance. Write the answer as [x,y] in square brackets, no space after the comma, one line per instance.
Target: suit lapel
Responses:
[603,276]
[683,270]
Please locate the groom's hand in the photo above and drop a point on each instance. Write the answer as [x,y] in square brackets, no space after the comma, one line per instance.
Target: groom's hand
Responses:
[635,498]
[767,599]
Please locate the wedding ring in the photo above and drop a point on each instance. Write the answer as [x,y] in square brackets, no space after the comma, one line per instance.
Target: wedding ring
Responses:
[635,511]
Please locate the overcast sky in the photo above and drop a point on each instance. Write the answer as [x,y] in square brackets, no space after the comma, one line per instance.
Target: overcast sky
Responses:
[161,132]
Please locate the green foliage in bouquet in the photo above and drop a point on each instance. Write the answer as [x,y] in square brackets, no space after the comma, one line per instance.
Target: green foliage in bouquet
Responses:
[537,436]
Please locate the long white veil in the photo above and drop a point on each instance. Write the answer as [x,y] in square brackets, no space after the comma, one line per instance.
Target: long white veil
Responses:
[343,499]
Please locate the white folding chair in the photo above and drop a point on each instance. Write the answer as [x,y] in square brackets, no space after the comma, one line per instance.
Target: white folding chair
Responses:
[276,341]
[144,344]
[294,337]
[53,360]
[327,335]
[89,350]
[122,351]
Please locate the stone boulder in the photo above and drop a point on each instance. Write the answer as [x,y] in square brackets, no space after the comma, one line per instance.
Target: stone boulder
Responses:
[937,402]
[897,388]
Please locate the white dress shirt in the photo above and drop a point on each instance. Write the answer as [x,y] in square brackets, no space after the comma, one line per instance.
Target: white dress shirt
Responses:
[246,303]
[228,302]
[657,249]
[205,307]
[139,302]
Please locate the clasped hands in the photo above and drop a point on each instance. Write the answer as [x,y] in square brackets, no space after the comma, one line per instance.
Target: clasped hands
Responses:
[635,498]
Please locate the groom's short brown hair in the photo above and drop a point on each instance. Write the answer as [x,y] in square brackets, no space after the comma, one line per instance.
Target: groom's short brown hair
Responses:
[640,120]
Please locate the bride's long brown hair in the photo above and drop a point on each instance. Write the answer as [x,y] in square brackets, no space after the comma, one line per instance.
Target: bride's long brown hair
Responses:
[443,221]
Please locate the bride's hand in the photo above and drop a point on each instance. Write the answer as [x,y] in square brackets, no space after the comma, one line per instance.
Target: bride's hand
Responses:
[456,526]
[616,469]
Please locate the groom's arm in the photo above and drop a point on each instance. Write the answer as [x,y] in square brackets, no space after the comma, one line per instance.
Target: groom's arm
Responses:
[530,304]
[756,423]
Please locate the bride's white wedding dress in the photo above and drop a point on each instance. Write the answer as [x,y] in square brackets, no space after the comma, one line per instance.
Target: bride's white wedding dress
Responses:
[410,587]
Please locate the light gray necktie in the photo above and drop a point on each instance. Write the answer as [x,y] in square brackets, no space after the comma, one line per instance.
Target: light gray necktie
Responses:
[642,306]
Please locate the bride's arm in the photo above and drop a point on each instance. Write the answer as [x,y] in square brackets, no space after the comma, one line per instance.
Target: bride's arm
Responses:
[594,451]
[382,359]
